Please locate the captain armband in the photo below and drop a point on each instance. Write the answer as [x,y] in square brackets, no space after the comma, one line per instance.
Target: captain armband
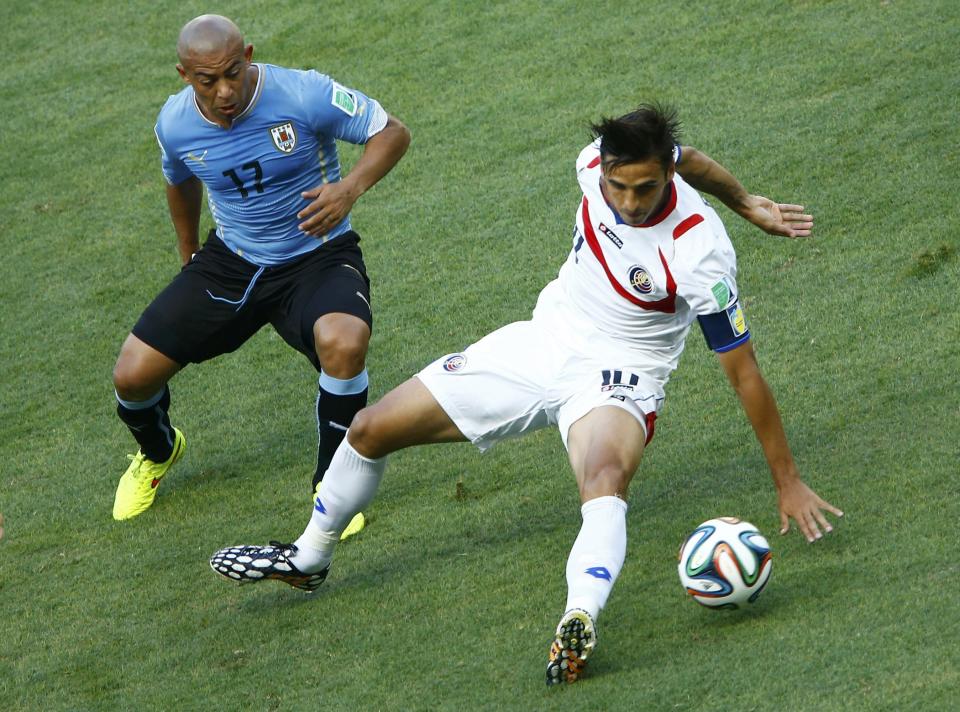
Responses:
[725,330]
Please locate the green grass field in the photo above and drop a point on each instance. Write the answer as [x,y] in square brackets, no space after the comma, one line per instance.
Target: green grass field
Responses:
[449,598]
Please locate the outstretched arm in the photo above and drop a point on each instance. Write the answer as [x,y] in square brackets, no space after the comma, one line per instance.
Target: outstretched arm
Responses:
[332,202]
[708,176]
[796,499]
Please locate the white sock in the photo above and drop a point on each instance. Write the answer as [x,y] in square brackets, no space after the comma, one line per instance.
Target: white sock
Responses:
[597,555]
[348,486]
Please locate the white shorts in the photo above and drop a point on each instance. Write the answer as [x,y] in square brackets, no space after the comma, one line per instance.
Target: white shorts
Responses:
[523,377]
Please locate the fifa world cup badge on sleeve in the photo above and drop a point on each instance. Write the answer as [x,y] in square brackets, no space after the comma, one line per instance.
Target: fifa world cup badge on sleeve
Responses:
[722,293]
[344,100]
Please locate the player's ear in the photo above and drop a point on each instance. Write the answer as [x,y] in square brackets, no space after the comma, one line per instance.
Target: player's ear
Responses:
[182,72]
[248,52]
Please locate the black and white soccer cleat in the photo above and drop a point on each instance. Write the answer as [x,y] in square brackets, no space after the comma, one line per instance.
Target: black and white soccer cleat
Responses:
[250,564]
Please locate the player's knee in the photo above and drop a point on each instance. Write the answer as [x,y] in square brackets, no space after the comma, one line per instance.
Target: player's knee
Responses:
[132,379]
[128,379]
[342,353]
[606,480]
[366,434]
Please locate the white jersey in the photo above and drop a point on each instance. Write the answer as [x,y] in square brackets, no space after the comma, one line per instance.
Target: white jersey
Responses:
[641,287]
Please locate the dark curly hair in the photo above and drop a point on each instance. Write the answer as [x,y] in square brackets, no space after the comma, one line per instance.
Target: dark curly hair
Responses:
[649,131]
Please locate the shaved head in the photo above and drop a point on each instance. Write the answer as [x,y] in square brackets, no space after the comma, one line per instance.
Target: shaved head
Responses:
[206,35]
[215,62]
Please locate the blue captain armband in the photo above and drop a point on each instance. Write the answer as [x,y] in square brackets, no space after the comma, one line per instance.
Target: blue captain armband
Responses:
[725,330]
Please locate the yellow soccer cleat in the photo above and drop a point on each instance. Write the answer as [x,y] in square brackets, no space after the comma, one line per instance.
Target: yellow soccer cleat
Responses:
[356,524]
[138,486]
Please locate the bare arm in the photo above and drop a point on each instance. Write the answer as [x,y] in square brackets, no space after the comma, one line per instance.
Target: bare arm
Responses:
[708,176]
[796,499]
[184,200]
[332,202]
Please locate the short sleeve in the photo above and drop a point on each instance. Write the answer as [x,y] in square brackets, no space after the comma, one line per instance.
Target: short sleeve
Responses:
[174,170]
[709,269]
[708,281]
[339,111]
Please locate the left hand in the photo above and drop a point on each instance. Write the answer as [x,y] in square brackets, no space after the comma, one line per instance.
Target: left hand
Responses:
[782,219]
[330,203]
[799,502]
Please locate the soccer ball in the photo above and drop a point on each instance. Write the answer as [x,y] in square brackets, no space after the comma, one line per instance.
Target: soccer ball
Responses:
[725,563]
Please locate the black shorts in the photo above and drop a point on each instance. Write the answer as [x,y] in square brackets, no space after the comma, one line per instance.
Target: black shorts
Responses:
[219,300]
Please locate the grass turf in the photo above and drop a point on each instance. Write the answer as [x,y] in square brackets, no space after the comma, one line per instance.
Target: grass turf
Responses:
[449,599]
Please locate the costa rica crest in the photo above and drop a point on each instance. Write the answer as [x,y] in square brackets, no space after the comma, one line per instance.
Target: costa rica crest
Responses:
[454,362]
[641,280]
[284,137]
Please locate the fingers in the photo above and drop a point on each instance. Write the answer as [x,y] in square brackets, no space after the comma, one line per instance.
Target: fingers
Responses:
[808,527]
[812,523]
[320,224]
[830,508]
[799,222]
[319,218]
[822,521]
[784,522]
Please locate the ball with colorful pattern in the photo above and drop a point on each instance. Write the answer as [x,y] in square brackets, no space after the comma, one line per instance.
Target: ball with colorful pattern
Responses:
[725,563]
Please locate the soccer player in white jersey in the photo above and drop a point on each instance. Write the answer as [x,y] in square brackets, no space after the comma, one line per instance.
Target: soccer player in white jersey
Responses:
[262,140]
[649,258]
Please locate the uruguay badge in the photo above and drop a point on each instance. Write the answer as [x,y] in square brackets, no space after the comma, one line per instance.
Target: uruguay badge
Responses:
[284,137]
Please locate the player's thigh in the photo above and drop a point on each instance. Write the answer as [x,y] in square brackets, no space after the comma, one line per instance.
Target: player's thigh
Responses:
[496,388]
[605,447]
[206,311]
[339,288]
[587,384]
[408,415]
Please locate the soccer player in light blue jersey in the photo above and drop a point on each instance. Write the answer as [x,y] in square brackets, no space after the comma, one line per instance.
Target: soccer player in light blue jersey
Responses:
[262,140]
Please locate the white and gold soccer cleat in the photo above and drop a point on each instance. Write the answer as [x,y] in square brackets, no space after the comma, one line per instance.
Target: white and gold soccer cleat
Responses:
[575,639]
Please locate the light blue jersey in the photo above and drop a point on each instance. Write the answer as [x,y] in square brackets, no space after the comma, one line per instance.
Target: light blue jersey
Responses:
[282,144]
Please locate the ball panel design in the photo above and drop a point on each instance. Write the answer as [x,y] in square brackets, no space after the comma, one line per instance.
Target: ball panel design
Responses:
[724,563]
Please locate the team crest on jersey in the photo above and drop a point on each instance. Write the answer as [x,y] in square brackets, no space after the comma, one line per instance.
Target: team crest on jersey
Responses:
[454,363]
[641,280]
[284,137]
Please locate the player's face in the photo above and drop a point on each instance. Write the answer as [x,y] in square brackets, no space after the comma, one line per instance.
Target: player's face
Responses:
[637,190]
[221,81]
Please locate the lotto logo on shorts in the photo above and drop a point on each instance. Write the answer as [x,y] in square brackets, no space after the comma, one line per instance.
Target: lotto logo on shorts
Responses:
[454,363]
